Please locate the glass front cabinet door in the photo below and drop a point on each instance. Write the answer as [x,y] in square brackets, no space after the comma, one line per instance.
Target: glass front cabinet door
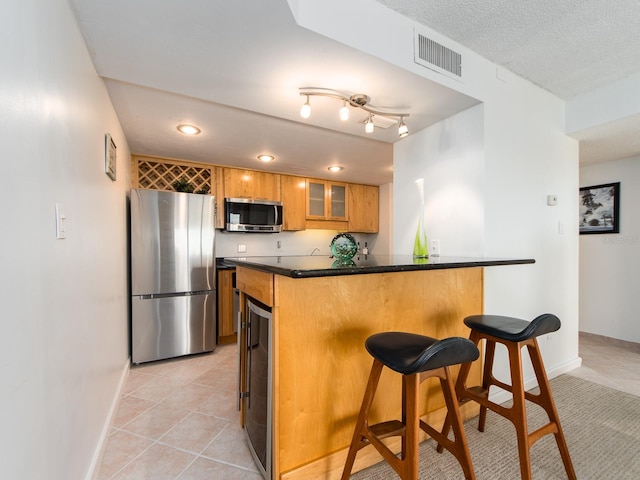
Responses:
[326,200]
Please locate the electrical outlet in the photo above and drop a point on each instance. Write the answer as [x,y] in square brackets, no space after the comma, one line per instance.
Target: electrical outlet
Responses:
[242,248]
[435,248]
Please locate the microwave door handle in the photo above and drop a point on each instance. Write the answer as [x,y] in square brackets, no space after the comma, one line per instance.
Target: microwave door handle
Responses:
[275,210]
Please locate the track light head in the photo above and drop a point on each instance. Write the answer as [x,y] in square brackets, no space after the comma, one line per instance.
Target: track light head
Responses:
[305,111]
[368,125]
[403,130]
[344,112]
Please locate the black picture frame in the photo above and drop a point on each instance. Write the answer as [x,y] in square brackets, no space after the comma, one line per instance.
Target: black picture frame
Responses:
[110,157]
[599,207]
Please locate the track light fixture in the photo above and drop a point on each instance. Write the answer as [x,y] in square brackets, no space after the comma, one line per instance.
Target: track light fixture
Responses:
[358,100]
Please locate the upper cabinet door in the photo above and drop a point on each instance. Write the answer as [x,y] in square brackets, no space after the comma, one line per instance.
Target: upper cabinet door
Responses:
[316,201]
[251,184]
[363,208]
[326,200]
[293,202]
[338,201]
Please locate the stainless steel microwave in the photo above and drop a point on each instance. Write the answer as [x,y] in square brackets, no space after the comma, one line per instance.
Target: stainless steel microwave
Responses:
[251,215]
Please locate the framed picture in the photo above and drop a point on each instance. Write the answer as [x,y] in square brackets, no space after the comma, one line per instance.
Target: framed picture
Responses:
[110,157]
[600,209]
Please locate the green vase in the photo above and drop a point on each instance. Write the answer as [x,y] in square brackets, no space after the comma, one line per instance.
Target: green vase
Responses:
[420,245]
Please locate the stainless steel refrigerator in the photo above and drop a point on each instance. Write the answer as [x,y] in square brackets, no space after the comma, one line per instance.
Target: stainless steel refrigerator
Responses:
[173,304]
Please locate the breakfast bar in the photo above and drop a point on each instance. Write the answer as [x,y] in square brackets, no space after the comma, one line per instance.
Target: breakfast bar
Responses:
[321,312]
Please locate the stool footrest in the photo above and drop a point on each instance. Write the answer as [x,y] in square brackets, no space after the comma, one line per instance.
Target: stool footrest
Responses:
[388,429]
[477,390]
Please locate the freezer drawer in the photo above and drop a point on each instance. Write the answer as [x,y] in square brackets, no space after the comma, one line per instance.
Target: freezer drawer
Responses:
[172,326]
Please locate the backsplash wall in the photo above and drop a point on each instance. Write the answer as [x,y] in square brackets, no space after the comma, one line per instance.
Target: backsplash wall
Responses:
[291,243]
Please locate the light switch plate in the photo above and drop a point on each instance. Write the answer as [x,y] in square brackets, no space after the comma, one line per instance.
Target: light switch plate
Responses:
[61,227]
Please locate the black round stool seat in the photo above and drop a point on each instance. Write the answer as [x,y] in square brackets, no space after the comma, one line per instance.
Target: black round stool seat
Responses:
[409,353]
[513,329]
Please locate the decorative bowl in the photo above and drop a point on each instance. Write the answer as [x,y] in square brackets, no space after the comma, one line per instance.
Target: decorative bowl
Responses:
[344,246]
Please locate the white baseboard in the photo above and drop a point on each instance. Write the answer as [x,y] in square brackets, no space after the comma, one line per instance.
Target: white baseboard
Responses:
[500,396]
[97,454]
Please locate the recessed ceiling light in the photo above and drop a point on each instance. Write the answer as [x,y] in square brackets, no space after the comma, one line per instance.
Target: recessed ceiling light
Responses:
[188,129]
[266,158]
[335,168]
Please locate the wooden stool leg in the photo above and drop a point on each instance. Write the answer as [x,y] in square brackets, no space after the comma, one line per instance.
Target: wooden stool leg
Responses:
[546,402]
[459,448]
[487,380]
[357,442]
[518,411]
[411,419]
[460,388]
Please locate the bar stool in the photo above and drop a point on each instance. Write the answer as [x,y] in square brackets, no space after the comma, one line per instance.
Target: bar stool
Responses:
[514,334]
[417,358]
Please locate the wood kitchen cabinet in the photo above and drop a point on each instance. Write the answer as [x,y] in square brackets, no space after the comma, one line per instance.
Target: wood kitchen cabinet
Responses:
[226,321]
[293,202]
[363,208]
[251,184]
[326,205]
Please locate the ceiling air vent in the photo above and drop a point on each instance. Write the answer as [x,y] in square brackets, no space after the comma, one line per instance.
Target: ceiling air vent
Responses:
[437,57]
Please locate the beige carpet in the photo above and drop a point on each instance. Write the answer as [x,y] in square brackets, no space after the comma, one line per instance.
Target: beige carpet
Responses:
[601,425]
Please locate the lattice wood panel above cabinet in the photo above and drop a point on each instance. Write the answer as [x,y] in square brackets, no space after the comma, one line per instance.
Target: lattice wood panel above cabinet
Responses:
[160,174]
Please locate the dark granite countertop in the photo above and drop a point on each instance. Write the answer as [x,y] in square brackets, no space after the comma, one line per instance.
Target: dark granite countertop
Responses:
[306,266]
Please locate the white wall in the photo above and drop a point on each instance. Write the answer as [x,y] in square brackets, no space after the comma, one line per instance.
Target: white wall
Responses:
[609,262]
[450,158]
[64,334]
[527,156]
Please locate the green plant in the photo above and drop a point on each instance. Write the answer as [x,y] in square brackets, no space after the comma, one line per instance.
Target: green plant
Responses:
[182,185]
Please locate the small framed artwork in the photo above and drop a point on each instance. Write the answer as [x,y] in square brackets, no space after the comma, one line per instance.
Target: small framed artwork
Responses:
[600,209]
[110,157]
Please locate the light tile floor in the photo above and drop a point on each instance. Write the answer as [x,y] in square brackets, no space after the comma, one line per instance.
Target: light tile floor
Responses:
[177,419]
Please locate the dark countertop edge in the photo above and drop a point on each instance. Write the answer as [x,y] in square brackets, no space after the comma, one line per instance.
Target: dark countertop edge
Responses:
[332,272]
[221,264]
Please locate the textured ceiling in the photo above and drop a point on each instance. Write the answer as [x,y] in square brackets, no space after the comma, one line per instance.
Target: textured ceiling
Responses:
[568,47]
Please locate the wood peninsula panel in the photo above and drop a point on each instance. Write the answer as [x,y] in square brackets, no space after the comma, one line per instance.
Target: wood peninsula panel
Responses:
[321,365]
[258,285]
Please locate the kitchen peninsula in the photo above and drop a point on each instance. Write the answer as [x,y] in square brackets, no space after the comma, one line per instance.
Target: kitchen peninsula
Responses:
[322,311]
